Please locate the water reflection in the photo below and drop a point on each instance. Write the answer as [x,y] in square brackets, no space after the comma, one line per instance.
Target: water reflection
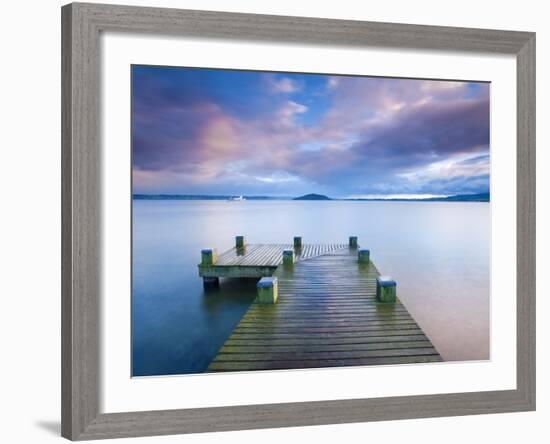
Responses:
[230,292]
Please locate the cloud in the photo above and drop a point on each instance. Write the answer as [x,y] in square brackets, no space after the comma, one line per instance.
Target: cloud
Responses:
[278,177]
[226,132]
[458,166]
[332,82]
[283,84]
[433,128]
[287,113]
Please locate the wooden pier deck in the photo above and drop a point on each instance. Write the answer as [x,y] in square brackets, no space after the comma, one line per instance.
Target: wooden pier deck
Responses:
[327,315]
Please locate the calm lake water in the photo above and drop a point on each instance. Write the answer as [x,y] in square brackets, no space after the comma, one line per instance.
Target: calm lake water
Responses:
[438,252]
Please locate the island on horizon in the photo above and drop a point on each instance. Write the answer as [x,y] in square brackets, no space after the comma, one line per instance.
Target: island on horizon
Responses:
[313,196]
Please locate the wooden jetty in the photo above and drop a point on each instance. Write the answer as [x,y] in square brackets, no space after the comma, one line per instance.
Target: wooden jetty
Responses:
[326,312]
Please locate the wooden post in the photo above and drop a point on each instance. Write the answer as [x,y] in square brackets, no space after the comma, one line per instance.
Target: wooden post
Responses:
[288,258]
[268,290]
[363,256]
[209,256]
[386,289]
[239,242]
[353,241]
[297,242]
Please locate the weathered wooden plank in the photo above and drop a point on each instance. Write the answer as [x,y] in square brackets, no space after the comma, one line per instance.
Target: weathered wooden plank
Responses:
[302,312]
[322,355]
[237,340]
[327,336]
[316,348]
[263,330]
[340,324]
[304,308]
[328,305]
[326,323]
[369,333]
[329,320]
[279,365]
[335,312]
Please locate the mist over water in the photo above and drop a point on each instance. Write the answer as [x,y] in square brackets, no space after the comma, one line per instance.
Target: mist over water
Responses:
[438,252]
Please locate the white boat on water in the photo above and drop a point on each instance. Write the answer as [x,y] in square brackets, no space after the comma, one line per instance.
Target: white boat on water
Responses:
[236,198]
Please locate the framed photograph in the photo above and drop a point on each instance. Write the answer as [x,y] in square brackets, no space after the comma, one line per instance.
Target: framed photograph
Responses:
[278,221]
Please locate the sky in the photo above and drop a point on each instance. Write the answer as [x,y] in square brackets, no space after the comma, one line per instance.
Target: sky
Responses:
[206,131]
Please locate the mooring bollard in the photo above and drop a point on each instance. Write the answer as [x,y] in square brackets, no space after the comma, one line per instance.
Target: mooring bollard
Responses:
[363,256]
[209,256]
[239,242]
[268,290]
[386,289]
[288,258]
[353,241]
[297,242]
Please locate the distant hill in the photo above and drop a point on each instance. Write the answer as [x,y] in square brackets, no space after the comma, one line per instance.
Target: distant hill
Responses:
[312,196]
[481,197]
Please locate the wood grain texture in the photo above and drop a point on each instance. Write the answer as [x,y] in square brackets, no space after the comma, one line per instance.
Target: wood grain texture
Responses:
[81,222]
[303,30]
[66,226]
[526,222]
[81,204]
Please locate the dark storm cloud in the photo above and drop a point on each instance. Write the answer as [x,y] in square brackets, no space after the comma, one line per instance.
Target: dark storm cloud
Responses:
[434,129]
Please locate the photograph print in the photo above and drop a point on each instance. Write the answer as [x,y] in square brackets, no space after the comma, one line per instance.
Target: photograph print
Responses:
[287,221]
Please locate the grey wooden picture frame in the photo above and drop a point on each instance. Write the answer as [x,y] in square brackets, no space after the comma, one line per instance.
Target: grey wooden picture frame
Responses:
[81,232]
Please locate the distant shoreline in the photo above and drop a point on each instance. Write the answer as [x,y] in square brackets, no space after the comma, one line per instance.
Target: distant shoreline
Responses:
[483,197]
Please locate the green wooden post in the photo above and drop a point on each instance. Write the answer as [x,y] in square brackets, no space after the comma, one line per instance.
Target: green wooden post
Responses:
[288,258]
[297,242]
[239,242]
[209,256]
[386,289]
[363,256]
[268,290]
[353,242]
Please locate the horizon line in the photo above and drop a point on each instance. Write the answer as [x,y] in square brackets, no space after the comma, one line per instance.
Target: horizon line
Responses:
[391,196]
